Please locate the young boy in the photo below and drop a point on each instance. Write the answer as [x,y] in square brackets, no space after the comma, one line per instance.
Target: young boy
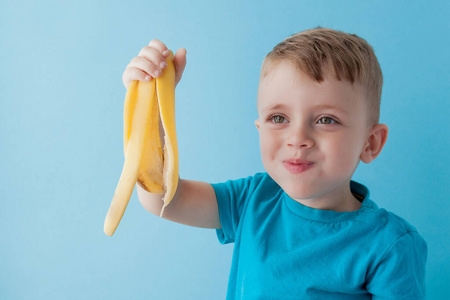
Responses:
[304,229]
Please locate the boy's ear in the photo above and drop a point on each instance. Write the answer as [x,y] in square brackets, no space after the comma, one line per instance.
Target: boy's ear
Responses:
[375,142]
[257,124]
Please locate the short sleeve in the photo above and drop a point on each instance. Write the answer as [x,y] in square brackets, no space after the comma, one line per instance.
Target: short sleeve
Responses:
[400,274]
[231,199]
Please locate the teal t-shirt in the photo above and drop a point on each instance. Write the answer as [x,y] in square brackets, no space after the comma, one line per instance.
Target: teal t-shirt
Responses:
[285,250]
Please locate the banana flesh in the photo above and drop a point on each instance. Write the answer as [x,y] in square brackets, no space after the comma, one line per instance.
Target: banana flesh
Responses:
[153,167]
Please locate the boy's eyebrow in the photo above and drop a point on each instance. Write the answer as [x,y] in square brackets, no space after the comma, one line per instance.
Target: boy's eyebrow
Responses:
[277,106]
[327,106]
[321,106]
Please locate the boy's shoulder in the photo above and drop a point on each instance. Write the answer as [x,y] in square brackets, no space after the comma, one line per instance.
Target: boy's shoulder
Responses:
[397,247]
[388,219]
[389,228]
[397,223]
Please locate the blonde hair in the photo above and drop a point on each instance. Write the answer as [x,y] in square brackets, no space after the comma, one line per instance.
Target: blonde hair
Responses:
[351,58]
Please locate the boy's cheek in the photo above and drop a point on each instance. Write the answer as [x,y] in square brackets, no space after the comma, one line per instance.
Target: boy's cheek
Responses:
[267,143]
[266,146]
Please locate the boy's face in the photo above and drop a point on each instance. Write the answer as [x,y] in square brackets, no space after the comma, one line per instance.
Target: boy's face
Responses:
[311,134]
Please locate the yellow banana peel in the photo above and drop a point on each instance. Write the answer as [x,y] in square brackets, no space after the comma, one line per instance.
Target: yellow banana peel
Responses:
[146,162]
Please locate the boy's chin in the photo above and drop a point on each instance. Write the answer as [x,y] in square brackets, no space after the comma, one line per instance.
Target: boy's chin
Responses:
[293,188]
[299,192]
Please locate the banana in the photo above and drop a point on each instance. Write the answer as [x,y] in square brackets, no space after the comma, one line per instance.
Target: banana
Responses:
[146,162]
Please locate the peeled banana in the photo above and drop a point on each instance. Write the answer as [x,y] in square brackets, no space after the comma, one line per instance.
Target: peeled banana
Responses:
[146,162]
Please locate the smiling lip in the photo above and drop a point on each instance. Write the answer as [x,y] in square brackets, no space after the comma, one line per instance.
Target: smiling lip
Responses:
[296,166]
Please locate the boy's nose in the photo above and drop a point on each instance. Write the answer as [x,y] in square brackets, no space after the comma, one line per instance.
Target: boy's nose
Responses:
[300,137]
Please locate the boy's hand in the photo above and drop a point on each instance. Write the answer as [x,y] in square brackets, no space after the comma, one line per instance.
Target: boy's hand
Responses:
[151,61]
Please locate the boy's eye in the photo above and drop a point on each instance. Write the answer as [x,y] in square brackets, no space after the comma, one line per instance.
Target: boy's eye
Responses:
[277,119]
[326,120]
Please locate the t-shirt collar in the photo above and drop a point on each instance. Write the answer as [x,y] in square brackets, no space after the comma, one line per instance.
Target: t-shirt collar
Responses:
[329,216]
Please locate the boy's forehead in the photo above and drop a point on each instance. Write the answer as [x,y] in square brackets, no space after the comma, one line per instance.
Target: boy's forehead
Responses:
[281,77]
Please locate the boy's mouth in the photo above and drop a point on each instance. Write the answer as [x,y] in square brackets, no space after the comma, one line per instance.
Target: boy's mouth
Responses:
[296,166]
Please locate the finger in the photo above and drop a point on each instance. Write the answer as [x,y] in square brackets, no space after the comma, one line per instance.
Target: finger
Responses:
[160,46]
[180,63]
[145,65]
[154,56]
[131,74]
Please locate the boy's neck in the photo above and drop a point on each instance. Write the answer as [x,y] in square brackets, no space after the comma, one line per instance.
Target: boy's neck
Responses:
[339,201]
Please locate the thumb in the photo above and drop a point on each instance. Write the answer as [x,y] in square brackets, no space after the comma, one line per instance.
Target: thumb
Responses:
[179,62]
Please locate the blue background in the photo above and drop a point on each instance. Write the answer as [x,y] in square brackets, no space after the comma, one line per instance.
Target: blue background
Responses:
[61,145]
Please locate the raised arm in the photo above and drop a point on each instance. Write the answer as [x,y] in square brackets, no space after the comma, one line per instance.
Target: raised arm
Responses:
[195,202]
